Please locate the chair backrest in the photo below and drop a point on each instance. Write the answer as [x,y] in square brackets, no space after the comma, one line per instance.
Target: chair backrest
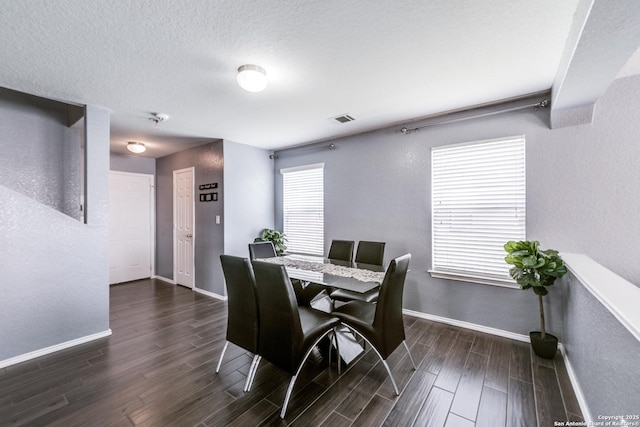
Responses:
[341,250]
[370,252]
[242,302]
[280,329]
[388,316]
[261,250]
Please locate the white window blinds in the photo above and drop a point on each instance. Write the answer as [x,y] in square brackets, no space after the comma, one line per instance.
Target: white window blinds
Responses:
[303,209]
[478,204]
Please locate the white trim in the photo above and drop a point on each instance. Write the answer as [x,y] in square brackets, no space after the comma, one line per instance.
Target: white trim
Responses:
[467,325]
[53,349]
[209,294]
[616,294]
[302,168]
[469,278]
[195,289]
[484,141]
[191,169]
[164,279]
[152,213]
[573,378]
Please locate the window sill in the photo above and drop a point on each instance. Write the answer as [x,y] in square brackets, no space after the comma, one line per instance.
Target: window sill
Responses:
[469,278]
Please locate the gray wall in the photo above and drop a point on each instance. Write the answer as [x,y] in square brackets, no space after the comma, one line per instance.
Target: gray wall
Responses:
[48,173]
[377,187]
[209,236]
[603,353]
[54,268]
[249,193]
[132,164]
[581,197]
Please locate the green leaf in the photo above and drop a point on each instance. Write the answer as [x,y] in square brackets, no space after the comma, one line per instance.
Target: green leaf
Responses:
[529,261]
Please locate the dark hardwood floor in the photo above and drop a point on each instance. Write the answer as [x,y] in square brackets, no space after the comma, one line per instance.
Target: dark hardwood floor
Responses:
[157,369]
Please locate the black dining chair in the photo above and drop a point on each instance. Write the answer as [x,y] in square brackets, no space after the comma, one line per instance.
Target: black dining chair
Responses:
[288,333]
[242,307]
[381,324]
[341,250]
[261,250]
[371,253]
[305,292]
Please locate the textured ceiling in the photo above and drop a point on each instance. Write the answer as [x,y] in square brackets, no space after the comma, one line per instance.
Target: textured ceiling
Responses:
[382,62]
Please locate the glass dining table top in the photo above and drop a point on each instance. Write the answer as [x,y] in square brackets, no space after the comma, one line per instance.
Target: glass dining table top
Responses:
[333,273]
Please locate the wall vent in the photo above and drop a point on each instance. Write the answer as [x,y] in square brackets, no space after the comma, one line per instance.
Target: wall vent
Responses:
[343,118]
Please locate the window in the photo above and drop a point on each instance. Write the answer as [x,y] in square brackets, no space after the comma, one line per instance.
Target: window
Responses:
[478,204]
[303,209]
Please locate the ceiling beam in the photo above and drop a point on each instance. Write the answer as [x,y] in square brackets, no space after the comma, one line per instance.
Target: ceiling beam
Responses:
[603,36]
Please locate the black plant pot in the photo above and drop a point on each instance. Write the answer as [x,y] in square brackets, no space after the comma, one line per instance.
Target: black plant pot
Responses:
[545,348]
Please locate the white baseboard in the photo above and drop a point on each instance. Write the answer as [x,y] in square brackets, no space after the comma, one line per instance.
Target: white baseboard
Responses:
[586,413]
[519,337]
[467,325]
[209,294]
[53,349]
[164,279]
[200,291]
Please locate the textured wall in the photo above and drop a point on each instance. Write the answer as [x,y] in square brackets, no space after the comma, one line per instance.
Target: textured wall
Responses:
[581,197]
[377,187]
[132,164]
[248,203]
[47,172]
[54,268]
[209,236]
[603,354]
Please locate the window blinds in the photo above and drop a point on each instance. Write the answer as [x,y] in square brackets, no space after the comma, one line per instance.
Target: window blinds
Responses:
[303,209]
[478,204]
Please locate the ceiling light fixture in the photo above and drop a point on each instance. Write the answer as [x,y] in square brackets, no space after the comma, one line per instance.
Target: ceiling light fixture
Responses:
[252,78]
[136,147]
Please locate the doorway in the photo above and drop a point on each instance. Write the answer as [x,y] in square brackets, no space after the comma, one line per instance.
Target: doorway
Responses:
[131,226]
[183,227]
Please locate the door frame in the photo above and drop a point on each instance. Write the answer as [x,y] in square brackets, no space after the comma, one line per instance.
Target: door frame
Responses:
[152,215]
[193,225]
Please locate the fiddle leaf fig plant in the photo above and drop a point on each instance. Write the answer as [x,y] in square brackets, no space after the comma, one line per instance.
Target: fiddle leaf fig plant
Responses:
[534,268]
[278,239]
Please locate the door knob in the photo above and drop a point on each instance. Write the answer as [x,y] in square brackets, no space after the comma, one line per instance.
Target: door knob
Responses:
[189,235]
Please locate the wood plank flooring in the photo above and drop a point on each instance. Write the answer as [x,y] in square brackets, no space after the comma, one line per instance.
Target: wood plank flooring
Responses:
[158,369]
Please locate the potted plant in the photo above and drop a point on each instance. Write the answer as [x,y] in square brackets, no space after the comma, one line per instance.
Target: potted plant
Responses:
[278,239]
[536,269]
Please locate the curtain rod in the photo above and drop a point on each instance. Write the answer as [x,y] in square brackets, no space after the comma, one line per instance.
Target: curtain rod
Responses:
[541,104]
[309,147]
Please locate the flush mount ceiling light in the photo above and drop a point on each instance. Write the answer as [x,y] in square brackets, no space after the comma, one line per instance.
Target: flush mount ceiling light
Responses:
[252,78]
[136,147]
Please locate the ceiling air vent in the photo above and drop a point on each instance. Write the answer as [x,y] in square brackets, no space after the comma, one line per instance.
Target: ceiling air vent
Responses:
[343,118]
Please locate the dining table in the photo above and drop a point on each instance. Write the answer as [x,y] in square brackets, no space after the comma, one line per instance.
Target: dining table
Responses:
[356,277]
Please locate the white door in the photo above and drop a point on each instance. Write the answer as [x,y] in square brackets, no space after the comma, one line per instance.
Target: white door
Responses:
[131,215]
[183,230]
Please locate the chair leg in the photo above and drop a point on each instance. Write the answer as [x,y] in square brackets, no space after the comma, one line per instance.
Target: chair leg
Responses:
[338,360]
[410,357]
[295,376]
[384,362]
[288,395]
[393,382]
[224,349]
[252,372]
